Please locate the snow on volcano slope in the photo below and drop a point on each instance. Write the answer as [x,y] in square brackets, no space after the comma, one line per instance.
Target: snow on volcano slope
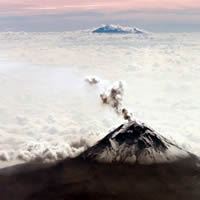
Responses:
[135,143]
[117,29]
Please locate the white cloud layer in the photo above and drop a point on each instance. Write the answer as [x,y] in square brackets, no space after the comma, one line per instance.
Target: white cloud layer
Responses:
[48,112]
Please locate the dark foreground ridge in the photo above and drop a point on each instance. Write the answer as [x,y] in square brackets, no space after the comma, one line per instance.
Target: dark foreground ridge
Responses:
[131,162]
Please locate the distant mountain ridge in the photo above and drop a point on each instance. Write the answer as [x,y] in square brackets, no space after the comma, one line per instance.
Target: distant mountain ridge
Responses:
[111,28]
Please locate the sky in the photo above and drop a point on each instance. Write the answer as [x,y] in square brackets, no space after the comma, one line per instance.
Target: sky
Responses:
[61,15]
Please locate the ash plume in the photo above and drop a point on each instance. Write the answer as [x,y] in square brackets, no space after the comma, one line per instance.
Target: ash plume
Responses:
[113,96]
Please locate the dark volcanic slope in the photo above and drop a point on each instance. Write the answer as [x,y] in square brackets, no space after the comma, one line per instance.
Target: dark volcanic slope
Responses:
[84,178]
[77,179]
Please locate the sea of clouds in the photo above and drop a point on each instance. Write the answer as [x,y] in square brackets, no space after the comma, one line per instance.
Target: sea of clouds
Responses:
[49,112]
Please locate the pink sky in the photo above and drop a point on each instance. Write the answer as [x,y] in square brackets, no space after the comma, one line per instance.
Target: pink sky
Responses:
[23,7]
[79,14]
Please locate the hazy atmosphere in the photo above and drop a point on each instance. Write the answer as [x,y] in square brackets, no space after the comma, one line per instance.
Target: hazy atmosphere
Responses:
[99,100]
[52,15]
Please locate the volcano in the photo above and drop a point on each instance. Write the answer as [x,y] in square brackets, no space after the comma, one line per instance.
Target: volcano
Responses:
[131,162]
[135,142]
[117,29]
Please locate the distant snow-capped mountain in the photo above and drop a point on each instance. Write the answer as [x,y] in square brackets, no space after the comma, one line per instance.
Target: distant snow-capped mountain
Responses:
[135,143]
[117,29]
